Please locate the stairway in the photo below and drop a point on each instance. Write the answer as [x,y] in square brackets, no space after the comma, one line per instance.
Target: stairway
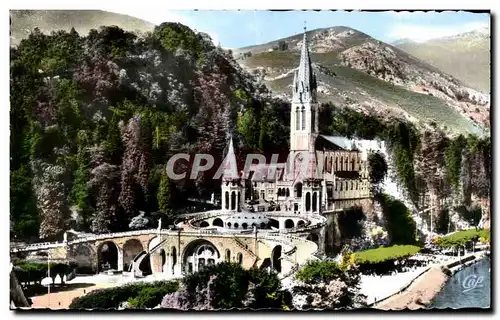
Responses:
[250,252]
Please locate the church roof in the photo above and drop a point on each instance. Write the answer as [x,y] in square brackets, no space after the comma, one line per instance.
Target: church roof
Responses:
[230,170]
[267,172]
[304,83]
[341,142]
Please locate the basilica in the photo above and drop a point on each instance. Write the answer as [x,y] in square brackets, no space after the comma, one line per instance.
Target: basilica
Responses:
[322,174]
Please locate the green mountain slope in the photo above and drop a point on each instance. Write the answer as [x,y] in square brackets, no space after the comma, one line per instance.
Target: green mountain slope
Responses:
[24,21]
[465,56]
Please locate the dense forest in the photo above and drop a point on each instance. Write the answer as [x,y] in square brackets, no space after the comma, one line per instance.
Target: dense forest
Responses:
[95,119]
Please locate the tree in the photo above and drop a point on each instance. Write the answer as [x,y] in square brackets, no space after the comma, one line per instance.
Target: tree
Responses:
[48,184]
[378,167]
[282,45]
[103,181]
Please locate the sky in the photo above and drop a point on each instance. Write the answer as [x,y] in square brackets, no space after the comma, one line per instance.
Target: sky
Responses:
[235,29]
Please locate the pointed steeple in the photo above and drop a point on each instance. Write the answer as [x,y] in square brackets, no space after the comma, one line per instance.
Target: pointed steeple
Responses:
[304,78]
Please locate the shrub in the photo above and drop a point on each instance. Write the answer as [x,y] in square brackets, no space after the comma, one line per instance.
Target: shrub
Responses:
[111,298]
[150,297]
[460,238]
[320,271]
[231,286]
[400,224]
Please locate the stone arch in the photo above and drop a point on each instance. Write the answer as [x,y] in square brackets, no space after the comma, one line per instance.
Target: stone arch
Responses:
[308,201]
[227,200]
[131,248]
[108,255]
[315,202]
[204,224]
[173,257]
[300,223]
[228,255]
[303,111]
[298,190]
[240,258]
[297,118]
[218,222]
[276,258]
[289,223]
[238,204]
[199,253]
[83,255]
[163,259]
[314,238]
[274,223]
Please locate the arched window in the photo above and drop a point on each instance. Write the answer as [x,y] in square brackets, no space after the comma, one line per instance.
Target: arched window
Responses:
[244,225]
[341,185]
[297,119]
[233,200]
[227,199]
[228,255]
[336,163]
[229,224]
[287,192]
[341,163]
[240,258]
[236,225]
[303,118]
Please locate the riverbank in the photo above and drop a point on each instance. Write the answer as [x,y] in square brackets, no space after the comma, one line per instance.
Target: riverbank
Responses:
[423,289]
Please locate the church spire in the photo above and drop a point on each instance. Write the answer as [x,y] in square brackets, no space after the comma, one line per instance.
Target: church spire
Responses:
[305,79]
[230,166]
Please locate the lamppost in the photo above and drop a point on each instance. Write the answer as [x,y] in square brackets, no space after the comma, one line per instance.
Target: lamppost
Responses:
[50,278]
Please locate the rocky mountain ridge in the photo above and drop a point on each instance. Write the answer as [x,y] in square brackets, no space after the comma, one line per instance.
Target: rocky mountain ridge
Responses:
[465,56]
[338,51]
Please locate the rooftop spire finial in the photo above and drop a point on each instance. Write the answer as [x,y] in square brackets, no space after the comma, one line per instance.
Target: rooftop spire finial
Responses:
[305,25]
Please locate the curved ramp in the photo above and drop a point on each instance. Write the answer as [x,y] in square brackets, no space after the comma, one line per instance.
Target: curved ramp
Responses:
[135,266]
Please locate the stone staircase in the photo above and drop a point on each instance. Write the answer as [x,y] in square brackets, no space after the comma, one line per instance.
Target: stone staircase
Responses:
[244,247]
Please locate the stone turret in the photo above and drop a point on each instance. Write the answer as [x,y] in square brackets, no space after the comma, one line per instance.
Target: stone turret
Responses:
[233,190]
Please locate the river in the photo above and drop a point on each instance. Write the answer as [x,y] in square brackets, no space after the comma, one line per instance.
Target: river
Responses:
[468,288]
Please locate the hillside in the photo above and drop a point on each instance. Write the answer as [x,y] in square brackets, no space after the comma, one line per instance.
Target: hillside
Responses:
[358,71]
[24,21]
[465,56]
